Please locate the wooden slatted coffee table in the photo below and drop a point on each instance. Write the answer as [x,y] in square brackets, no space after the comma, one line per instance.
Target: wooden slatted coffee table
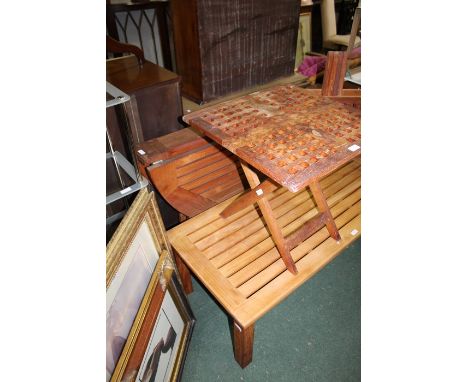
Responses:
[293,137]
[238,262]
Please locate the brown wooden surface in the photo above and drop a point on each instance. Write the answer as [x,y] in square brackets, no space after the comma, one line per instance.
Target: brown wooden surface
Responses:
[292,135]
[243,344]
[271,221]
[305,231]
[157,93]
[129,77]
[324,209]
[144,336]
[335,70]
[226,46]
[169,146]
[237,260]
[184,273]
[191,173]
[354,29]
[187,49]
[250,197]
[116,46]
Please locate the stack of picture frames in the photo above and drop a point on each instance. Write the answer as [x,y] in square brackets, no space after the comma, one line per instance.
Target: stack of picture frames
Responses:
[149,321]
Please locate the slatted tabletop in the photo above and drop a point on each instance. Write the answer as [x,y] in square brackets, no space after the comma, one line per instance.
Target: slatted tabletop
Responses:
[237,260]
[291,134]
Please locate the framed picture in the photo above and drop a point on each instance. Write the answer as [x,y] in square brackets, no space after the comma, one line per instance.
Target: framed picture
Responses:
[303,38]
[131,258]
[159,340]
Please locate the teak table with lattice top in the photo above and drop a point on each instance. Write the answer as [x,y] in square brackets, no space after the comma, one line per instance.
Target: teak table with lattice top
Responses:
[292,135]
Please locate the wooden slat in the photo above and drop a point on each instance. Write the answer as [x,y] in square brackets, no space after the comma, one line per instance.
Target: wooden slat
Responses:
[225,293]
[326,182]
[270,220]
[268,266]
[305,231]
[205,220]
[188,201]
[236,226]
[208,224]
[323,207]
[228,236]
[329,188]
[247,263]
[215,178]
[249,278]
[184,171]
[226,189]
[184,161]
[280,288]
[204,230]
[305,214]
[253,242]
[210,221]
[335,70]
[204,174]
[256,260]
[284,206]
[252,196]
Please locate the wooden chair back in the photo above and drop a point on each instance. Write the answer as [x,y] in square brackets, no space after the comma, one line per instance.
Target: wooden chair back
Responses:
[115,46]
[192,173]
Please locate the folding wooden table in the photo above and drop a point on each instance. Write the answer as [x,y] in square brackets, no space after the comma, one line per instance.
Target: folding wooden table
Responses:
[285,136]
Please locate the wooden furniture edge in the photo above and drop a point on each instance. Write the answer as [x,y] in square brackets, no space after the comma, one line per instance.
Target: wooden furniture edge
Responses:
[182,229]
[248,313]
[217,284]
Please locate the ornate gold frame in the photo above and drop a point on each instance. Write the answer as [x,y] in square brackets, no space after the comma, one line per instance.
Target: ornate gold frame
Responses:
[162,282]
[143,208]
[164,278]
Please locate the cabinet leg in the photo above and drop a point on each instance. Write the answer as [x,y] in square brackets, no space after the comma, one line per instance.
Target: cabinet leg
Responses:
[243,344]
[184,273]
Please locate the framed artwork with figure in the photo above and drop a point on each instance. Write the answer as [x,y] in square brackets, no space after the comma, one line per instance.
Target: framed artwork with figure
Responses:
[158,341]
[139,267]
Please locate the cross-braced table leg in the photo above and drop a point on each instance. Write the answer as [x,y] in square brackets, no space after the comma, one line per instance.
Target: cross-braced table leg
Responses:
[271,221]
[324,209]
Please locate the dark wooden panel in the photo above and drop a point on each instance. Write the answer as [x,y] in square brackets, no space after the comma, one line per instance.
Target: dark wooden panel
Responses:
[222,47]
[157,92]
[187,50]
[160,109]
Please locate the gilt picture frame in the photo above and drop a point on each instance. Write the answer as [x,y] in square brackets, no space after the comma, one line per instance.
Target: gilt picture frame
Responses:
[162,331]
[131,259]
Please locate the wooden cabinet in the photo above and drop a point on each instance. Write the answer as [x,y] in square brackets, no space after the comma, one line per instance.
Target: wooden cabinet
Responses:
[157,93]
[226,46]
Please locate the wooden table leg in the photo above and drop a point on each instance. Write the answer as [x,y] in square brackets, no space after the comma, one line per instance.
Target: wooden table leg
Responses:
[184,273]
[251,197]
[323,208]
[243,344]
[271,221]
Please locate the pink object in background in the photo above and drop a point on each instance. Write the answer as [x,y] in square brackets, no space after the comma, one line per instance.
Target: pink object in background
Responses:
[312,65]
[315,64]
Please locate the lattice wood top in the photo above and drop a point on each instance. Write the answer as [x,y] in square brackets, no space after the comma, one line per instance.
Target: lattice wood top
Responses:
[291,134]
